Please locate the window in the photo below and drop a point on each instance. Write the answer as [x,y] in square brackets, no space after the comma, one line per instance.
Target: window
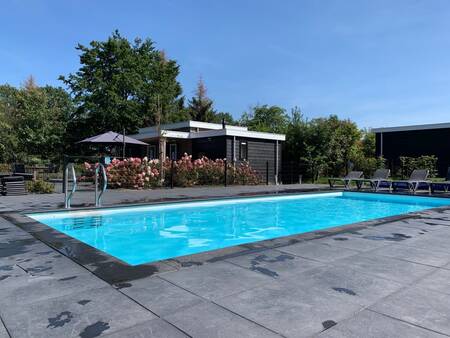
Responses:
[243,150]
[173,151]
[152,152]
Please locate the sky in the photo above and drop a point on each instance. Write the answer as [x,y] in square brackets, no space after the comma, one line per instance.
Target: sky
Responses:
[379,63]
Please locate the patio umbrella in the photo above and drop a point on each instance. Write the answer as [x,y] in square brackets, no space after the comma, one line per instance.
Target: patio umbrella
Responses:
[112,138]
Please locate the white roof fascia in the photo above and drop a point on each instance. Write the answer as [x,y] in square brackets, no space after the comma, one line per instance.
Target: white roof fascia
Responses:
[190,124]
[210,133]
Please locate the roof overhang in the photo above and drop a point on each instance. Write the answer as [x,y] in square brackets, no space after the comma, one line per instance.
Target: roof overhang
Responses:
[209,133]
[413,127]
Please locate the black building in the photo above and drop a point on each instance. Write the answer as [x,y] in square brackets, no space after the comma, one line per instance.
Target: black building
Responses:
[414,141]
[235,143]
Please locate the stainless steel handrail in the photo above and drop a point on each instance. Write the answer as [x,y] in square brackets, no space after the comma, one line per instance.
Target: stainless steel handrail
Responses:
[68,195]
[98,197]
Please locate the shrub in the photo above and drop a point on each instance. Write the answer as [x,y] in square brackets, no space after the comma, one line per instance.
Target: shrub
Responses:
[369,164]
[244,174]
[408,164]
[5,167]
[136,173]
[40,187]
[133,173]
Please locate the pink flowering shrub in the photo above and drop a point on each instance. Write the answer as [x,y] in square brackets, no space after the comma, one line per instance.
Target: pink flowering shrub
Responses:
[245,175]
[87,172]
[205,171]
[133,173]
[136,173]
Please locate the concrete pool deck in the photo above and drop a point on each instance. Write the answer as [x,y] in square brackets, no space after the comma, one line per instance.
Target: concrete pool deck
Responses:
[377,279]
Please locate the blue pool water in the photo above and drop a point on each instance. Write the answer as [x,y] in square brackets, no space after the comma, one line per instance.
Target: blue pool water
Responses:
[144,234]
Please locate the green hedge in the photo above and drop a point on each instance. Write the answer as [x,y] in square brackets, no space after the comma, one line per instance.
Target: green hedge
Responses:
[408,164]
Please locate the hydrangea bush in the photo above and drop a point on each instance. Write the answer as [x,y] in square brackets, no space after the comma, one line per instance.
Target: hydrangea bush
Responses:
[137,173]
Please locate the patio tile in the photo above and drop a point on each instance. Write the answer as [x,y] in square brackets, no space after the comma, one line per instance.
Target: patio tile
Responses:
[274,263]
[394,233]
[17,290]
[389,268]
[353,242]
[370,324]
[209,256]
[51,263]
[97,311]
[290,308]
[209,320]
[3,332]
[320,252]
[349,284]
[215,280]
[413,254]
[438,281]
[160,296]
[155,328]
[419,306]
[428,224]
[434,243]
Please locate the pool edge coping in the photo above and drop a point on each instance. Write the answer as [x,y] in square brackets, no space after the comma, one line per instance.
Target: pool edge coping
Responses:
[115,271]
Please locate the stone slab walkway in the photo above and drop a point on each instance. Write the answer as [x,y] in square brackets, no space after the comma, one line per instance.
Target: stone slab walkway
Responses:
[385,280]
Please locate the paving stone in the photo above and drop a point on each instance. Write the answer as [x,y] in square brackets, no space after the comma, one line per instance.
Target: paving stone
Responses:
[349,284]
[274,263]
[369,324]
[209,256]
[3,331]
[394,232]
[216,279]
[85,314]
[389,268]
[160,296]
[17,290]
[155,328]
[419,306]
[320,252]
[209,320]
[289,308]
[437,281]
[413,254]
[349,241]
[434,243]
[421,224]
[51,263]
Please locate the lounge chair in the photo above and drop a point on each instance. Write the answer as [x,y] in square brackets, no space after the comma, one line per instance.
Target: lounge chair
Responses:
[444,185]
[347,180]
[379,176]
[417,177]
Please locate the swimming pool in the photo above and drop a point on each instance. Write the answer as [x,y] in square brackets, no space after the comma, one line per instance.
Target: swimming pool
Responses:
[144,234]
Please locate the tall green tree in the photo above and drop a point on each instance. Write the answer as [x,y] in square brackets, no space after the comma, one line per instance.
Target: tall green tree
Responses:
[122,84]
[200,107]
[266,118]
[35,119]
[222,116]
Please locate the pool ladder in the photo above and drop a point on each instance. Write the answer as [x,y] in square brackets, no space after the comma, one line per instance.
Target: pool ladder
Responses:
[68,194]
[70,168]
[98,196]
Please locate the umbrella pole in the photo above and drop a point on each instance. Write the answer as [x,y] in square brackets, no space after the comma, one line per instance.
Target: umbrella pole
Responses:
[123,143]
